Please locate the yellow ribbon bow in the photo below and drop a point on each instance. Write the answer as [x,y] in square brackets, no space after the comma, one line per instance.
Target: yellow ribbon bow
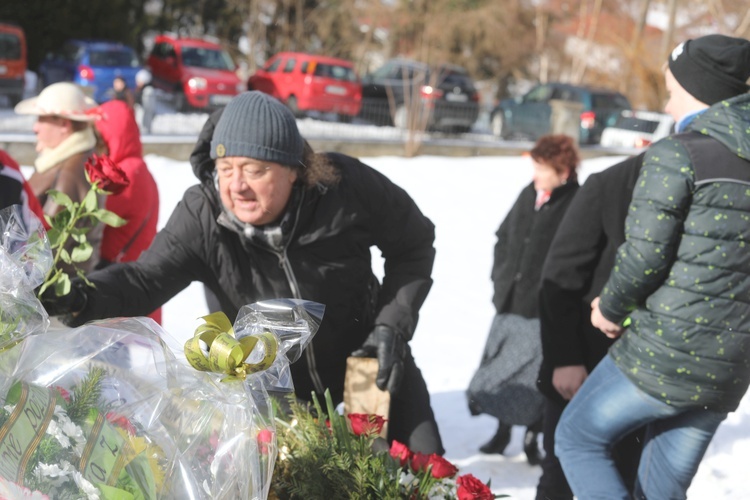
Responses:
[214,348]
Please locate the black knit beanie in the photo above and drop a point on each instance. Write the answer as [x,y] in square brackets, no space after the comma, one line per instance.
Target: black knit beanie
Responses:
[713,67]
[256,125]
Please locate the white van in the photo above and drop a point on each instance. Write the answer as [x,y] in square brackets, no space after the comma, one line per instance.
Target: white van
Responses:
[637,129]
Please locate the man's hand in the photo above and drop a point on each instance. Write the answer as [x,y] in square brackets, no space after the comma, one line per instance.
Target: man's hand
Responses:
[611,330]
[66,305]
[391,349]
[568,379]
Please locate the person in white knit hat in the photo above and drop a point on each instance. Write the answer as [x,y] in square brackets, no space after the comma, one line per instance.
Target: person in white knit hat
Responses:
[64,141]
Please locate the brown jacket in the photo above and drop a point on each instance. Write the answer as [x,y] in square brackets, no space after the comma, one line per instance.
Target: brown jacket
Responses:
[69,177]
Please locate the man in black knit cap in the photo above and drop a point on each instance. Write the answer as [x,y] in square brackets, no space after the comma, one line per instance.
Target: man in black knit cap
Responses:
[682,282]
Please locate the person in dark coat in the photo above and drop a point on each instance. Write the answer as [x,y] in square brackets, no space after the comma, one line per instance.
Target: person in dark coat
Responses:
[579,262]
[505,383]
[273,219]
[678,294]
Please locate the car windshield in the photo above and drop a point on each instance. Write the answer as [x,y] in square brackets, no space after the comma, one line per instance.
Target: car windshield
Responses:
[201,57]
[336,72]
[113,58]
[10,46]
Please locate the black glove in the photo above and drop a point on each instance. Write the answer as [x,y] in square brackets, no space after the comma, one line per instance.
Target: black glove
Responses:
[391,349]
[66,305]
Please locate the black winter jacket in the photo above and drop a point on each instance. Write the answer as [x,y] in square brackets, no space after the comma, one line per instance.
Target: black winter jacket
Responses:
[523,240]
[577,266]
[324,256]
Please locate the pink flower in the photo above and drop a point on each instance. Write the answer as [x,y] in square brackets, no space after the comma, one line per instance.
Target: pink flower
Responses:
[401,452]
[471,488]
[64,393]
[265,438]
[366,424]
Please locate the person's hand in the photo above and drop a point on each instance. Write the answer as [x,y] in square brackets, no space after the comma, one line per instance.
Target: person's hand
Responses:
[64,305]
[611,330]
[568,379]
[391,349]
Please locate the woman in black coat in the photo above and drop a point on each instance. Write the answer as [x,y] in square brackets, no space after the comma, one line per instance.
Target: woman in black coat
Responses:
[505,383]
[577,266]
[273,219]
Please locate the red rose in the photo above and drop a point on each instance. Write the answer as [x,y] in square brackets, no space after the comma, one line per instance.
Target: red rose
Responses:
[107,176]
[265,438]
[471,488]
[441,468]
[419,462]
[366,424]
[122,422]
[401,452]
[63,393]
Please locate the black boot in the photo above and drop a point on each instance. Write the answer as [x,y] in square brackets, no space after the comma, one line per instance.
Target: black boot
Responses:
[531,447]
[499,441]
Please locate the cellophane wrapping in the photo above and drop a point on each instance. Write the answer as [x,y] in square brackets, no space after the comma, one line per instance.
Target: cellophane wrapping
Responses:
[25,258]
[112,409]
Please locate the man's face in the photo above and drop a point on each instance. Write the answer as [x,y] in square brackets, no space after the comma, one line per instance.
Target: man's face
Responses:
[255,192]
[680,102]
[50,132]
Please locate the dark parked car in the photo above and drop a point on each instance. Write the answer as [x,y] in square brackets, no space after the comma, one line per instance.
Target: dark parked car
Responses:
[531,116]
[92,64]
[404,92]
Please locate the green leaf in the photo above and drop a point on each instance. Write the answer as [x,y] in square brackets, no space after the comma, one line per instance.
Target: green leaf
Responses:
[82,252]
[109,218]
[78,236]
[62,287]
[53,235]
[62,199]
[61,220]
[65,256]
[50,281]
[81,274]
[90,201]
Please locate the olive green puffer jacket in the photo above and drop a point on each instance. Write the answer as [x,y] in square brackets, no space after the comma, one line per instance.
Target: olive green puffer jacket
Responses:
[683,274]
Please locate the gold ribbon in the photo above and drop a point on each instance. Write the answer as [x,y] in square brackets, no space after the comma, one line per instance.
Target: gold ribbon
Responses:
[214,348]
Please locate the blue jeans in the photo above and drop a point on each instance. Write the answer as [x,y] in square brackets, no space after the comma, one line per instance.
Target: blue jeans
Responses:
[609,406]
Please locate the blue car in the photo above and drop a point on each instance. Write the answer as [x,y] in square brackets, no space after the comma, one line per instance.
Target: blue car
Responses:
[92,64]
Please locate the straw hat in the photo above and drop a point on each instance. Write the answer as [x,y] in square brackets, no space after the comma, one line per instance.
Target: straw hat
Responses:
[62,99]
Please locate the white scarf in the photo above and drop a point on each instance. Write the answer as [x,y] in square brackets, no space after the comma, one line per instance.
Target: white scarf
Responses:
[77,142]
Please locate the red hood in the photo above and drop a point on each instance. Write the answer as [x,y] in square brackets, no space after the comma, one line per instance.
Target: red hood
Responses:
[119,130]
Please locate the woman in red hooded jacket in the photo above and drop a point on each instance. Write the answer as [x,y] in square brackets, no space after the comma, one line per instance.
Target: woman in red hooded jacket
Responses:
[139,202]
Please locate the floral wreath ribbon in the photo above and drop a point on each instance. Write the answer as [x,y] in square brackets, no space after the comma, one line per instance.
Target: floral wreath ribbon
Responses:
[214,348]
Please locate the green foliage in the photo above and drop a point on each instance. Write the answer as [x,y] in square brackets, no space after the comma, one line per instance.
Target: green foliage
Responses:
[67,237]
[86,395]
[318,461]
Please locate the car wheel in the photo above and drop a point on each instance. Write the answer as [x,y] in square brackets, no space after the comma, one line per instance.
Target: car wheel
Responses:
[292,104]
[498,126]
[401,117]
[180,102]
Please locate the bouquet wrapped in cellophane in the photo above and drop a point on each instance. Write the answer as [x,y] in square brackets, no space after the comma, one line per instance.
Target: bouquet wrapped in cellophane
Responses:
[25,257]
[118,409]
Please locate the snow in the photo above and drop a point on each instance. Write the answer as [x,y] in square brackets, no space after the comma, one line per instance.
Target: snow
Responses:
[466,198]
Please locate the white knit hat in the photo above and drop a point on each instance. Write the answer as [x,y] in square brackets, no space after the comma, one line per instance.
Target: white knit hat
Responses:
[62,99]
